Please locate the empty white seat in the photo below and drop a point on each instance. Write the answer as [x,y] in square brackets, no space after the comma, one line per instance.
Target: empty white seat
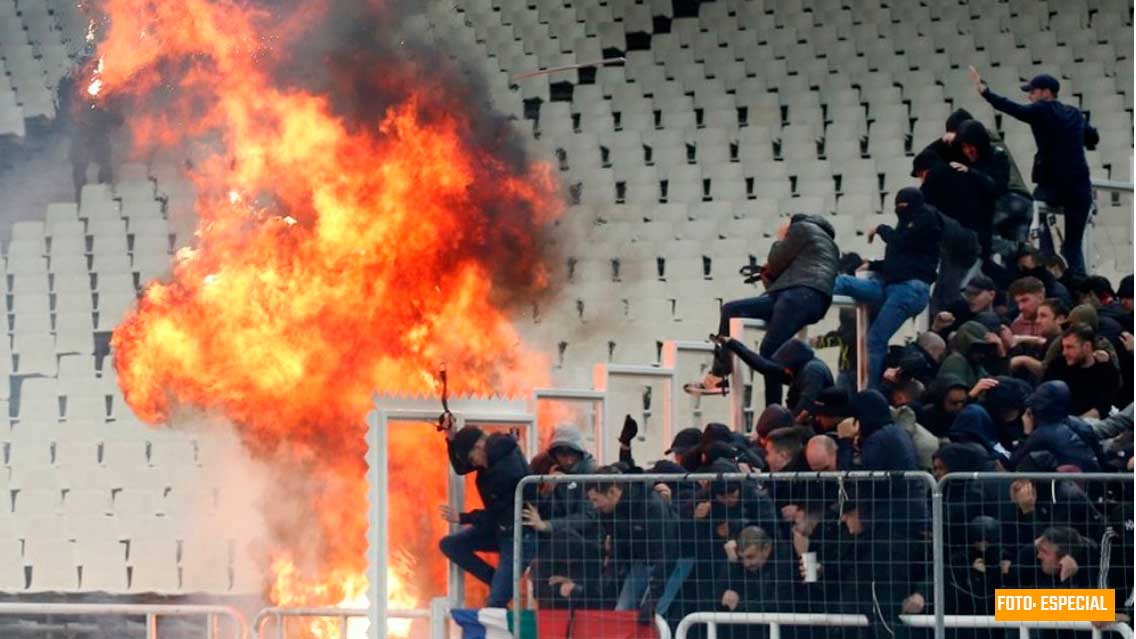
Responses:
[53,566]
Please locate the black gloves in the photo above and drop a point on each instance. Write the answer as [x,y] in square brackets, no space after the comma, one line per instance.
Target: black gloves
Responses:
[630,430]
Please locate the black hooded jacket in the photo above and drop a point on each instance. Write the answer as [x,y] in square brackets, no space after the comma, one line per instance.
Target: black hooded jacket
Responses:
[496,484]
[794,363]
[974,425]
[912,251]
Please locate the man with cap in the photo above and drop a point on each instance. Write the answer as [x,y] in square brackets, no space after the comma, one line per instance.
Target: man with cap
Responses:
[901,286]
[977,297]
[500,466]
[1060,170]
[687,448]
[831,407]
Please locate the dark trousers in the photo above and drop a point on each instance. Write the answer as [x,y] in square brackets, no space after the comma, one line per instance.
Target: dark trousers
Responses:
[1075,204]
[461,547]
[785,313]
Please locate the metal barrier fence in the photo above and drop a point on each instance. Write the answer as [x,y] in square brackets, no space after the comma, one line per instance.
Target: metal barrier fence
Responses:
[150,612]
[275,618]
[875,551]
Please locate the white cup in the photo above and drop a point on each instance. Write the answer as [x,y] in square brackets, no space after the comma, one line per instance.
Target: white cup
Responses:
[810,559]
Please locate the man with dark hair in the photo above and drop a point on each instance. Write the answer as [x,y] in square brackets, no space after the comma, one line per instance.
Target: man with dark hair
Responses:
[798,274]
[1027,293]
[1055,548]
[759,580]
[1095,290]
[1092,383]
[783,451]
[1060,170]
[902,285]
[1051,314]
[500,466]
[642,551]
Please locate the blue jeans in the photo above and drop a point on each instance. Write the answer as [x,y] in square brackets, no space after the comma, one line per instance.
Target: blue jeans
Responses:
[460,548]
[890,306]
[638,579]
[785,313]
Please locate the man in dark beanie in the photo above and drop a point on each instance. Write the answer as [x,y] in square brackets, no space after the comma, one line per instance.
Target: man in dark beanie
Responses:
[901,286]
[832,406]
[500,466]
[952,194]
[798,275]
[945,147]
[1060,171]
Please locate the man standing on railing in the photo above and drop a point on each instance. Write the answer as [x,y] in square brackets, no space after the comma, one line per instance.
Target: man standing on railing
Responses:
[1060,170]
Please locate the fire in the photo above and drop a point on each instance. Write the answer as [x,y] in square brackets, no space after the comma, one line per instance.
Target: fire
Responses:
[359,223]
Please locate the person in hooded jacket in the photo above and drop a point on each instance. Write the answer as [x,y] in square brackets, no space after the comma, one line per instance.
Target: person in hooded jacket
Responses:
[570,509]
[941,404]
[1006,403]
[799,273]
[795,364]
[1060,170]
[902,283]
[1050,428]
[974,426]
[500,466]
[987,170]
[898,503]
[976,569]
[974,345]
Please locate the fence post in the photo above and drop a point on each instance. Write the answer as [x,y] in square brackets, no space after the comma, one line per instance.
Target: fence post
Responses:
[937,557]
[518,503]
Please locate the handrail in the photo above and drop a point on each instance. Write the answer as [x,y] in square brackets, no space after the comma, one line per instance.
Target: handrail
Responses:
[772,619]
[985,621]
[150,611]
[278,613]
[1112,185]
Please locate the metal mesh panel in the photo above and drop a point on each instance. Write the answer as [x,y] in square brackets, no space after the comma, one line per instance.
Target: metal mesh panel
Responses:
[811,545]
[1034,530]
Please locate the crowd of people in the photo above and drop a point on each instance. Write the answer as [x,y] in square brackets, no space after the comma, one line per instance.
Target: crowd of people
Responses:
[1026,366]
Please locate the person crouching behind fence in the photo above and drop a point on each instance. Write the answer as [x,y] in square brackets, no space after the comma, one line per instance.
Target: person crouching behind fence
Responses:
[500,466]
[639,531]
[757,580]
[798,274]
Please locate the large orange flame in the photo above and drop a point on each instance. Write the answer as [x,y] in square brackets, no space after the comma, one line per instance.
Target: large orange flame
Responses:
[339,251]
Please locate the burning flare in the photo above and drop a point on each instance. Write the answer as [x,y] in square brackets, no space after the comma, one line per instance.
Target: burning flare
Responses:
[360,221]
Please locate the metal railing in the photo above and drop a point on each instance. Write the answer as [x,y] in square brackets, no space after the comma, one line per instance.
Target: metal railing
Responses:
[437,614]
[1001,490]
[151,612]
[774,620]
[1024,627]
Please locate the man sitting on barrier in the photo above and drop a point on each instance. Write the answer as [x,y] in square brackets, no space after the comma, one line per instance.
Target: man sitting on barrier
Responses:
[903,279]
[500,466]
[798,274]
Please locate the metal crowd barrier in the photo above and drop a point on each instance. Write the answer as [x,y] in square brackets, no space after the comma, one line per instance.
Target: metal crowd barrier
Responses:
[1076,510]
[1024,627]
[151,612]
[437,614]
[774,620]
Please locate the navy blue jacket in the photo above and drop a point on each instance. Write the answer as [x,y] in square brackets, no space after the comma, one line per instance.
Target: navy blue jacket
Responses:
[1054,432]
[912,251]
[1059,131]
[973,425]
[794,363]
